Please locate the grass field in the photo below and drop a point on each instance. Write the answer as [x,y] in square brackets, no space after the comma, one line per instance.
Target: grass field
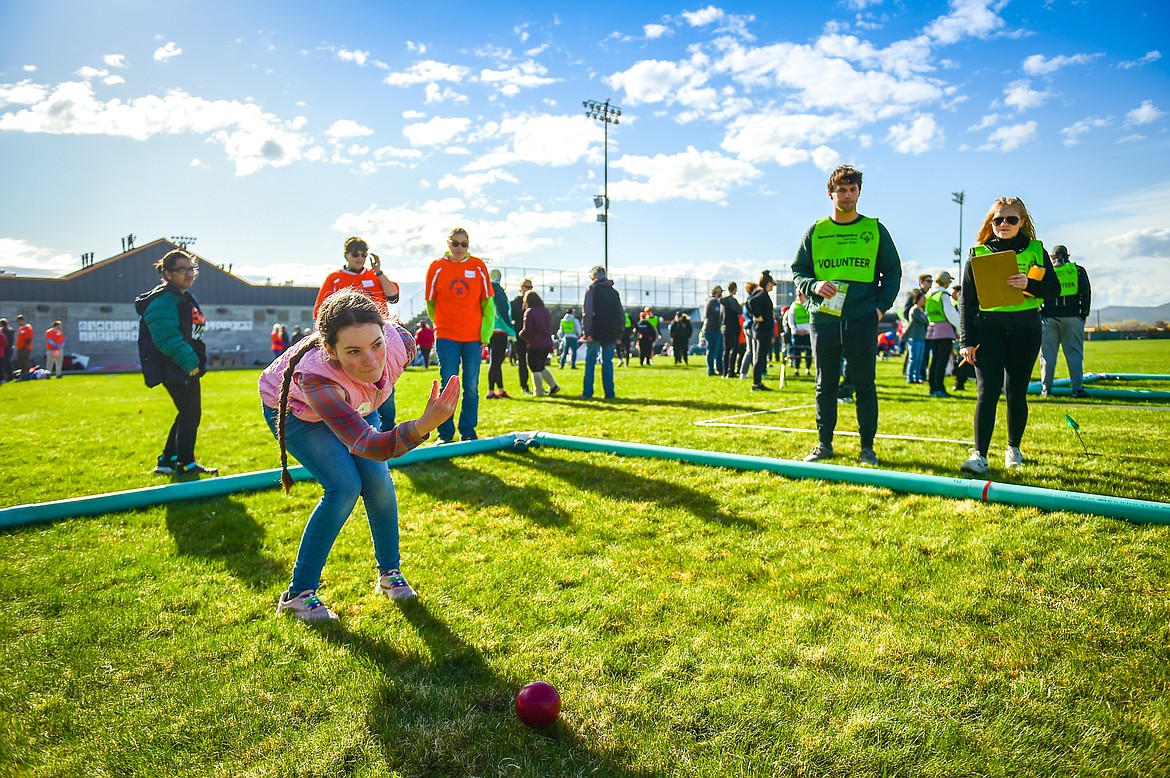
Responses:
[697,621]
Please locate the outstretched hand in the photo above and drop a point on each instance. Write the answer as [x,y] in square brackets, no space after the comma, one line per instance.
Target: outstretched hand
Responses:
[440,406]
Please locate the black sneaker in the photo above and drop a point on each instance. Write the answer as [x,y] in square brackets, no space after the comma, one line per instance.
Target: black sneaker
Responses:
[760,388]
[820,452]
[868,457]
[554,390]
[1081,394]
[167,465]
[194,468]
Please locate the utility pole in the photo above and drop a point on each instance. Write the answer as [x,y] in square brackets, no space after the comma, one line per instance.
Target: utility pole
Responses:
[607,114]
[959,198]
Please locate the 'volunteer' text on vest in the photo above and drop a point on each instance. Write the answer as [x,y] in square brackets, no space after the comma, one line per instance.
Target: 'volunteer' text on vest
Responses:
[1069,278]
[1031,256]
[845,252]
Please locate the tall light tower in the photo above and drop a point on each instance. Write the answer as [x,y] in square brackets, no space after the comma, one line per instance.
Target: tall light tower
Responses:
[960,198]
[607,114]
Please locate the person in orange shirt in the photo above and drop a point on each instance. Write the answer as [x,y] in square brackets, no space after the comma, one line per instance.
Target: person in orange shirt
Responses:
[374,284]
[54,343]
[24,344]
[459,301]
[355,274]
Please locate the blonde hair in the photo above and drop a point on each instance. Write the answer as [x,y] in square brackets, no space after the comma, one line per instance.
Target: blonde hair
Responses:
[1026,225]
[457,231]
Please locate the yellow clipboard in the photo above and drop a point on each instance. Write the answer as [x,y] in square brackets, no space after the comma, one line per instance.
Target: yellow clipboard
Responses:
[991,274]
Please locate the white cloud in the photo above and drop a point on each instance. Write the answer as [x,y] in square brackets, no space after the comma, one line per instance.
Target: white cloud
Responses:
[24,93]
[702,18]
[472,185]
[1021,96]
[347,128]
[169,51]
[442,94]
[29,68]
[359,58]
[427,71]
[540,139]
[691,175]
[197,163]
[525,75]
[989,120]
[1146,113]
[416,48]
[655,31]
[1150,56]
[1039,65]
[113,80]
[115,60]
[252,138]
[435,131]
[917,136]
[1145,242]
[24,258]
[660,81]
[1010,138]
[1072,134]
[967,18]
[784,137]
[412,114]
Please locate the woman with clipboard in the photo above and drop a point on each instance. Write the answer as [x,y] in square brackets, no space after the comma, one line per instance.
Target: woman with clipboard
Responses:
[1000,335]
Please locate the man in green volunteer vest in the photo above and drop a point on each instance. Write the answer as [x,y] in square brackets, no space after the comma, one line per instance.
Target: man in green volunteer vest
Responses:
[848,267]
[1063,319]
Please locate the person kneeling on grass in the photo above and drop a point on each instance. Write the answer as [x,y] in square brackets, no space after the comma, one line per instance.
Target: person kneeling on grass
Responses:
[320,400]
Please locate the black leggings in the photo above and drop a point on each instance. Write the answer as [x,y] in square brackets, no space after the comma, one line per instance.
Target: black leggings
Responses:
[940,357]
[499,349]
[181,438]
[763,336]
[1004,362]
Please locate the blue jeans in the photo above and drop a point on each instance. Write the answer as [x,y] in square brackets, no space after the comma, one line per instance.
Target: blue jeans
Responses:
[451,354]
[714,352]
[914,367]
[570,350]
[591,350]
[344,477]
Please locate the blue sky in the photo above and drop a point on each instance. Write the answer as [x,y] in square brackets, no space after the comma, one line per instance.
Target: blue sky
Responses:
[272,130]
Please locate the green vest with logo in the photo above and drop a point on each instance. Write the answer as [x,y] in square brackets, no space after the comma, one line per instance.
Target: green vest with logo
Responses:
[800,313]
[934,306]
[1069,278]
[568,327]
[845,252]
[1031,256]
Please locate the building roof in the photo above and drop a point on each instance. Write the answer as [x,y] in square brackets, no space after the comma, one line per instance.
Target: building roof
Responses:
[123,277]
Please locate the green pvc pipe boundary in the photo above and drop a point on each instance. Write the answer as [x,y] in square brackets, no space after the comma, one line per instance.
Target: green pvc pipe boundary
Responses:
[1062,387]
[1136,511]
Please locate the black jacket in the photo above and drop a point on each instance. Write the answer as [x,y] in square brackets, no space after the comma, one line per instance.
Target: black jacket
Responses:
[731,313]
[1077,304]
[604,318]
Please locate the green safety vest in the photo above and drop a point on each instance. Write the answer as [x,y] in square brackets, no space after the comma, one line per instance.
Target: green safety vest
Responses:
[1070,281]
[653,321]
[934,306]
[800,313]
[1031,256]
[845,252]
[568,327]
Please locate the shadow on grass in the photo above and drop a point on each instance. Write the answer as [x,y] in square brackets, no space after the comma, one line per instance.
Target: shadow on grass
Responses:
[447,480]
[624,404]
[454,715]
[221,530]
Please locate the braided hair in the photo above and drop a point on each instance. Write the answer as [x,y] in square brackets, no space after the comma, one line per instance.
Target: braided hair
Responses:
[343,308]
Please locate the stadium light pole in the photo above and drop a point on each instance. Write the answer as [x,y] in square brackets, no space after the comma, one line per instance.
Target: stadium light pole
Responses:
[607,114]
[959,198]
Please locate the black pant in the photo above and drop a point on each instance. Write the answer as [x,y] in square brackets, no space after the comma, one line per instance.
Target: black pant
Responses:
[852,339]
[521,347]
[1004,363]
[181,438]
[682,347]
[426,355]
[730,345]
[763,336]
[940,357]
[499,349]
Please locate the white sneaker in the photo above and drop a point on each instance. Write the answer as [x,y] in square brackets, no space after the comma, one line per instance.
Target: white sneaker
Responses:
[976,464]
[393,584]
[306,606]
[1012,457]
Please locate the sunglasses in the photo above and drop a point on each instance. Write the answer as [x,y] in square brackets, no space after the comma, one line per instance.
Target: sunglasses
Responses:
[1012,220]
[464,243]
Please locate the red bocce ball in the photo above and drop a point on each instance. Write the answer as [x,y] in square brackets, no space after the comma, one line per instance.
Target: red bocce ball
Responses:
[538,704]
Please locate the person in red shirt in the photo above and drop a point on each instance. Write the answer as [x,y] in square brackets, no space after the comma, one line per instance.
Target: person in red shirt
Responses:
[54,344]
[24,344]
[374,284]
[459,301]
[424,338]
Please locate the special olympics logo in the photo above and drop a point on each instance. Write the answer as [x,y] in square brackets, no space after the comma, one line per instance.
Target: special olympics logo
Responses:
[459,289]
[866,236]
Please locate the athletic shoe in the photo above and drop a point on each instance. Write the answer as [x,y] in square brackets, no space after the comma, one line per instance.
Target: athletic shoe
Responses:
[167,465]
[1081,394]
[976,464]
[194,468]
[844,400]
[820,452]
[491,396]
[1013,457]
[941,393]
[1045,392]
[554,390]
[306,606]
[584,397]
[526,390]
[442,441]
[501,395]
[393,585]
[868,457]
[760,388]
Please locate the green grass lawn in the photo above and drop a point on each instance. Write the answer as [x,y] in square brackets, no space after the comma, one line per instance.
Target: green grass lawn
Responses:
[697,621]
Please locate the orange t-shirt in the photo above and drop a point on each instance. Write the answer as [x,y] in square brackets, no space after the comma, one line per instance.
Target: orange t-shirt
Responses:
[457,289]
[345,279]
[54,340]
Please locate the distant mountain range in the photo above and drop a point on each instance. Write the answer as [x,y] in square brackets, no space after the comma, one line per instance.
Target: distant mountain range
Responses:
[1119,313]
